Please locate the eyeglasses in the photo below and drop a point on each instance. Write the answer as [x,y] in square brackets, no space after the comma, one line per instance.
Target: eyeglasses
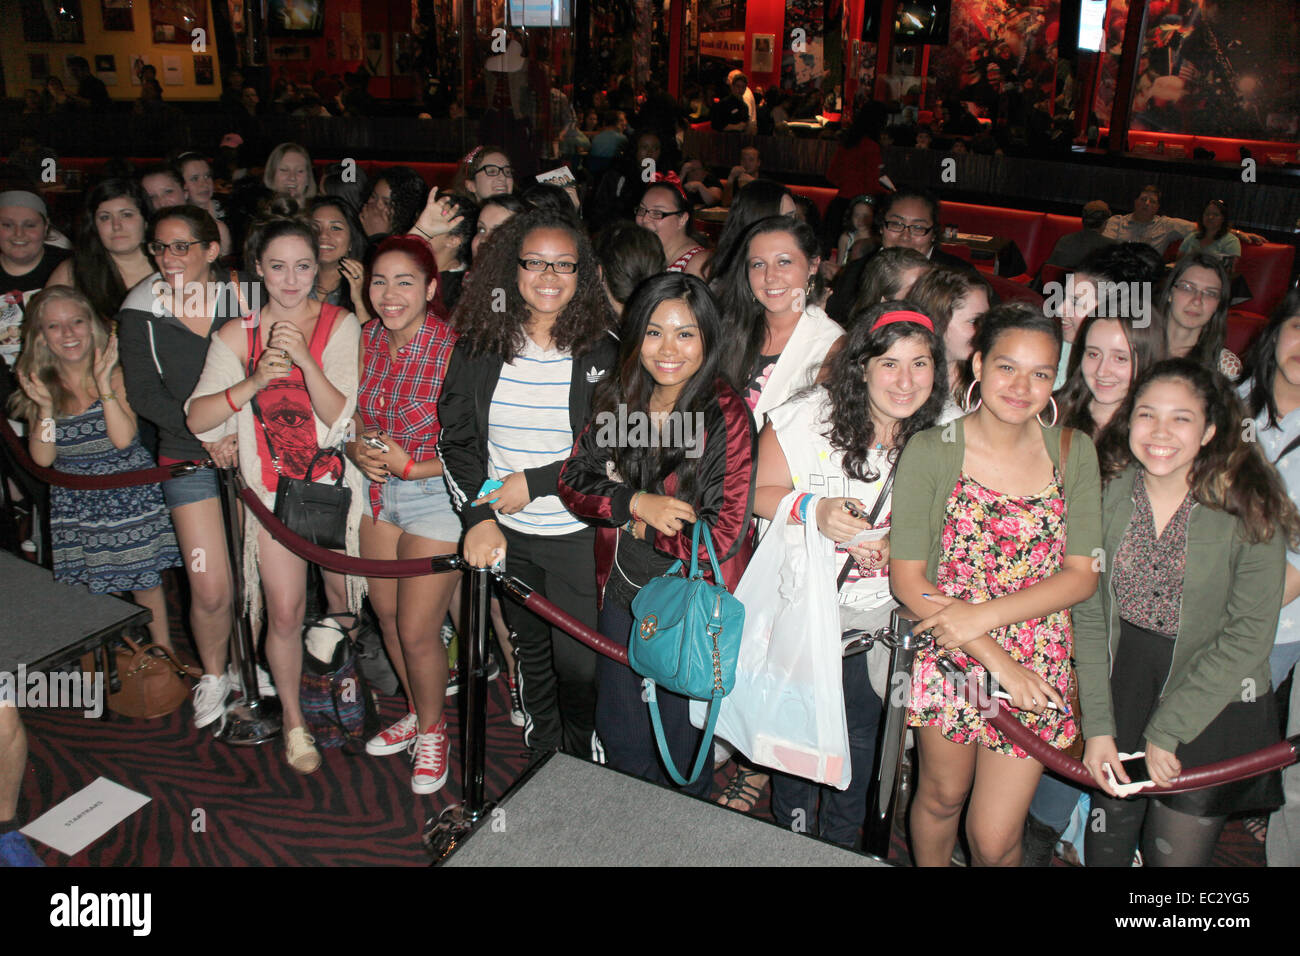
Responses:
[492,170]
[654,215]
[897,227]
[179,247]
[541,265]
[1209,295]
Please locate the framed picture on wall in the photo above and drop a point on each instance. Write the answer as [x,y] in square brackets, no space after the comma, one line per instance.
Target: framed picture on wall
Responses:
[106,68]
[53,22]
[174,21]
[203,73]
[172,74]
[118,14]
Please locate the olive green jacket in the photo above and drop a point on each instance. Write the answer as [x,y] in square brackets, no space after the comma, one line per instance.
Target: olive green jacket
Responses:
[1232,593]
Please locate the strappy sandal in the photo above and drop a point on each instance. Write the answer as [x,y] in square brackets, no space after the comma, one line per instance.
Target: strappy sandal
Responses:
[744,790]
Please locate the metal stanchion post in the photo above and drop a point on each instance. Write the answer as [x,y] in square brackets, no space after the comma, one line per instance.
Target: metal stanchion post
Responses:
[456,822]
[889,758]
[254,719]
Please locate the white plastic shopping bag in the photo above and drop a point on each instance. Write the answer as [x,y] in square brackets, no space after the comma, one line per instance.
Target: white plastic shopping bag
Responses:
[786,710]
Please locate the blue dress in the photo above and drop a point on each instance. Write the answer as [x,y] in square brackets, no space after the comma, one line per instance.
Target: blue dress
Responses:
[115,539]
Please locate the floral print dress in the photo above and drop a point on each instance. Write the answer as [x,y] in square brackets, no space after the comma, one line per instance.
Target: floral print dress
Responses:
[994,545]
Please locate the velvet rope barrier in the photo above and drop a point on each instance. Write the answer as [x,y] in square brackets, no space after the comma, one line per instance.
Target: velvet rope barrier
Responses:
[122,479]
[1275,757]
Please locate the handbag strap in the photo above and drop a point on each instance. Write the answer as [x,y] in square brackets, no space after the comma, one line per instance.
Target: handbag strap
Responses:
[871,520]
[702,530]
[706,742]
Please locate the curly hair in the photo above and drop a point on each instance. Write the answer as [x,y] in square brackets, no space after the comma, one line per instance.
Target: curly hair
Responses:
[408,193]
[1229,473]
[853,432]
[491,313]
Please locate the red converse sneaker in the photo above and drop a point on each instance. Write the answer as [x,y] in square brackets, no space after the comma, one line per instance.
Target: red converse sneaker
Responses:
[431,751]
[395,738]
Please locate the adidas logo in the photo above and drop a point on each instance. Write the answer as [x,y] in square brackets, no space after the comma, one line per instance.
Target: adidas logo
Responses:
[594,374]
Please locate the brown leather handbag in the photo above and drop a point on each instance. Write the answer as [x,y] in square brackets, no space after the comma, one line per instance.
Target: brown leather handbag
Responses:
[152,680]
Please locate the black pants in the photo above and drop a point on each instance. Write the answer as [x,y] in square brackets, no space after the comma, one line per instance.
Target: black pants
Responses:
[822,811]
[557,674]
[623,717]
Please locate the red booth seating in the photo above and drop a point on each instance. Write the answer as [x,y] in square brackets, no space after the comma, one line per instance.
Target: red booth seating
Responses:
[1009,291]
[821,195]
[1022,226]
[1267,270]
[1225,149]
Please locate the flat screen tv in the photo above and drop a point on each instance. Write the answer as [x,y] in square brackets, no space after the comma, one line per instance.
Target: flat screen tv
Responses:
[1092,25]
[295,18]
[539,13]
[921,22]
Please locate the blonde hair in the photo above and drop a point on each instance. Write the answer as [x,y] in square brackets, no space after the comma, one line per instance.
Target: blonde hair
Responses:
[37,361]
[273,162]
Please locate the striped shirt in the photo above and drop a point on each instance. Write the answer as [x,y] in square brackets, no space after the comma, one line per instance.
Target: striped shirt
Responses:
[528,426]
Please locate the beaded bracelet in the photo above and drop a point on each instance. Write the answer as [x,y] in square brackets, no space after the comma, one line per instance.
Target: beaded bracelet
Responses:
[631,507]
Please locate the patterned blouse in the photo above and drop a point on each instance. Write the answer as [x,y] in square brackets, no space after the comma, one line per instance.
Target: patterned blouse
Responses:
[1149,571]
[400,395]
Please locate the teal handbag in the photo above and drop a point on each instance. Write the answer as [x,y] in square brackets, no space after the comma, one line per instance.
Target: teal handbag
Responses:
[686,638]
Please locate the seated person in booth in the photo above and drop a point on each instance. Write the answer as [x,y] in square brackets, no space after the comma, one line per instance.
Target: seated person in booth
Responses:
[1072,249]
[746,172]
[1144,224]
[701,186]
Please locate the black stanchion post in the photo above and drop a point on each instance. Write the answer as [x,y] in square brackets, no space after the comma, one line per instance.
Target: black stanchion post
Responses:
[883,797]
[254,719]
[442,835]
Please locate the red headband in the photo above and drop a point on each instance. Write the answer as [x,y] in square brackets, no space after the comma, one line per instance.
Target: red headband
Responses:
[903,315]
[672,179]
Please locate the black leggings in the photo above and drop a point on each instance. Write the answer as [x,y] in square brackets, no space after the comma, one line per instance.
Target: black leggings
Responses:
[1168,838]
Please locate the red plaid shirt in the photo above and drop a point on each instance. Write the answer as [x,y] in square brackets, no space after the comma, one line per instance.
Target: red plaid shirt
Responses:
[400,395]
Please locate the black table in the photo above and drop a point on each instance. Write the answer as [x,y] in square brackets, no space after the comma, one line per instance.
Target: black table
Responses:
[44,623]
[1005,254]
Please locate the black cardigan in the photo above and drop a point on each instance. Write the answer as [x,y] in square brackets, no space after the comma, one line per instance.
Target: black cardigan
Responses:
[463,409]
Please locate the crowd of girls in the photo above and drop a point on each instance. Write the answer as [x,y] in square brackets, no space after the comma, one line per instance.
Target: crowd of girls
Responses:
[1001,447]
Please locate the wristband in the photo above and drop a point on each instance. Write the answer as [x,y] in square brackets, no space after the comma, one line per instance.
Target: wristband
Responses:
[423,233]
[406,472]
[631,506]
[799,509]
[108,396]
[230,401]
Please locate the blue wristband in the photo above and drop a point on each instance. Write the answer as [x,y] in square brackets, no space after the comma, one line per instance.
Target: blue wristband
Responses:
[803,508]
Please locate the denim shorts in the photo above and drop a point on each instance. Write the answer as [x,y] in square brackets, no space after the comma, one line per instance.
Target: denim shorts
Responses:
[199,485]
[420,507]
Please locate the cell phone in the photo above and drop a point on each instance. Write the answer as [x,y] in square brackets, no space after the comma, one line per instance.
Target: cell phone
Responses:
[488,487]
[851,507]
[1135,767]
[374,443]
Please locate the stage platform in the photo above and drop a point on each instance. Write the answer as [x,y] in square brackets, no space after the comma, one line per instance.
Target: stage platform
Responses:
[569,812]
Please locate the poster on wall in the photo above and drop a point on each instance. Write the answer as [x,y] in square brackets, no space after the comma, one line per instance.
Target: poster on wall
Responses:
[376,54]
[762,58]
[1220,69]
[106,68]
[1000,58]
[350,34]
[174,21]
[138,62]
[803,62]
[172,73]
[236,8]
[53,23]
[117,15]
[203,73]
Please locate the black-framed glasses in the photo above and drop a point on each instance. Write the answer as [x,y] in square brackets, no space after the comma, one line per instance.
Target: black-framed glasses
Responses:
[179,247]
[655,215]
[541,265]
[915,229]
[1209,295]
[492,170]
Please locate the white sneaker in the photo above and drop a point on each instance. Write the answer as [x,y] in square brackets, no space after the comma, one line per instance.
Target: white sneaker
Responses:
[210,695]
[265,687]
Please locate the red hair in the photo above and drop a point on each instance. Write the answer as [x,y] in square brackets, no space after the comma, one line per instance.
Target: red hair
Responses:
[417,249]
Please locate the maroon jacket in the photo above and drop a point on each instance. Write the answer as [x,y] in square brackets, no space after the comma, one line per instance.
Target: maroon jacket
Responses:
[725,501]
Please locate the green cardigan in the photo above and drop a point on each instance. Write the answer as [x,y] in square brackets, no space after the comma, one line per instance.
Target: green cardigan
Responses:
[928,472]
[1232,594]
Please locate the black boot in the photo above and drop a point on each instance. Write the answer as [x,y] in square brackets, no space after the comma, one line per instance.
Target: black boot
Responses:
[1040,843]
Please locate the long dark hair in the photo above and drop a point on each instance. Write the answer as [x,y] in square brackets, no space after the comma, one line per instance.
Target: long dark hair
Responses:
[852,430]
[758,200]
[1229,473]
[93,269]
[882,280]
[356,235]
[493,326]
[628,254]
[1223,226]
[407,192]
[1146,346]
[1214,334]
[1261,361]
[745,316]
[632,387]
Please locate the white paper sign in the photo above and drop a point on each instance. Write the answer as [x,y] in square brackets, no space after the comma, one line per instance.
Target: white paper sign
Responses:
[562,176]
[85,816]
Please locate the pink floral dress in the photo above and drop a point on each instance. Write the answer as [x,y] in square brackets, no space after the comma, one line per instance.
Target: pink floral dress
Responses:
[993,545]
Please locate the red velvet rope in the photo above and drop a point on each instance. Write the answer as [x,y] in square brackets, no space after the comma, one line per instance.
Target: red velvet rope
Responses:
[52,476]
[332,560]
